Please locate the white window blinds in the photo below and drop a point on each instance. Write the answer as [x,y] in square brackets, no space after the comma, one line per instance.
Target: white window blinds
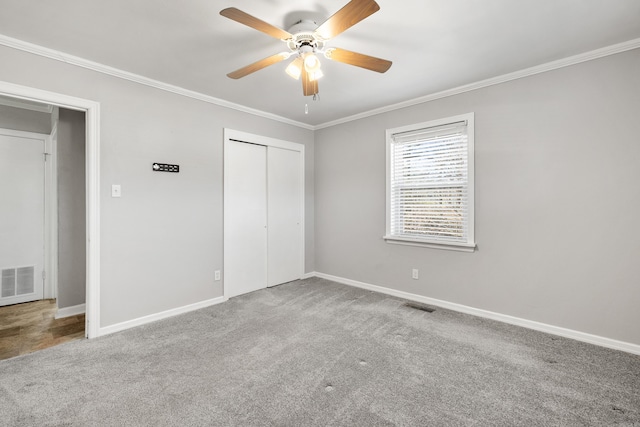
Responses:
[429,197]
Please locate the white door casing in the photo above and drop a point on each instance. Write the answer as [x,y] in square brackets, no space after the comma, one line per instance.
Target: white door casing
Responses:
[22,217]
[92,117]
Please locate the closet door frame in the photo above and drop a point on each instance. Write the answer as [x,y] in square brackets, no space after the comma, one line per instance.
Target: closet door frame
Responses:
[240,136]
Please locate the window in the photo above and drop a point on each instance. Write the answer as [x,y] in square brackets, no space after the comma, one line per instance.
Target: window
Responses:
[430,184]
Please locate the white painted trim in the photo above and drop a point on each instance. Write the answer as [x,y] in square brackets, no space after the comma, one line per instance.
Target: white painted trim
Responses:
[159,316]
[24,134]
[543,68]
[74,310]
[40,108]
[92,120]
[105,69]
[115,72]
[92,158]
[51,219]
[461,247]
[52,291]
[530,324]
[240,136]
[309,275]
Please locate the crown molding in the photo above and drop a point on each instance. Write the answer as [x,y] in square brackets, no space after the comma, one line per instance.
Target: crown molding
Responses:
[115,72]
[543,68]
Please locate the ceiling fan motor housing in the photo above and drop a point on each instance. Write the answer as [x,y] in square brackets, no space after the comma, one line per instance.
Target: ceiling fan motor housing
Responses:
[304,38]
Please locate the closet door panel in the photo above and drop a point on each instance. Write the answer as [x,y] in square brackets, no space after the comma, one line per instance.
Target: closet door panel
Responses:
[285,210]
[245,218]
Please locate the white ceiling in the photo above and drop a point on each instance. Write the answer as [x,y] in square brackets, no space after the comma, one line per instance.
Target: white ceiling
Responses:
[435,45]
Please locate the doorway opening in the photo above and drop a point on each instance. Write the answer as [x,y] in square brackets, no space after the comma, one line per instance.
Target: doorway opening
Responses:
[90,235]
[42,226]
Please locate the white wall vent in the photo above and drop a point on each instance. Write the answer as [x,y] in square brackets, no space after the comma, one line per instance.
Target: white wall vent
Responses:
[18,281]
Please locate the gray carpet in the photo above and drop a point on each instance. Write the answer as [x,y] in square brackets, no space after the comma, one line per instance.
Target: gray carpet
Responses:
[317,353]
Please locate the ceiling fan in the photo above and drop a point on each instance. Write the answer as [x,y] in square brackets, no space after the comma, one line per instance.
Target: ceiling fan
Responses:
[305,40]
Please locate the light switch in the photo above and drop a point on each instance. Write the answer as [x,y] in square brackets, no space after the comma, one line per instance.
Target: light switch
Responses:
[116,191]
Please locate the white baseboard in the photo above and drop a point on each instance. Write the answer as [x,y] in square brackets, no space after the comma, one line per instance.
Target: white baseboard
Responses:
[158,316]
[74,310]
[309,275]
[543,327]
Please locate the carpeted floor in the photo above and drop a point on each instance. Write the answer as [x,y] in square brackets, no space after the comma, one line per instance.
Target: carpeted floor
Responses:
[317,353]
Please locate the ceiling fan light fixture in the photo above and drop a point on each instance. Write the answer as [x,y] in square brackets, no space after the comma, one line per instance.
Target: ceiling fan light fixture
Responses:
[294,69]
[311,63]
[306,41]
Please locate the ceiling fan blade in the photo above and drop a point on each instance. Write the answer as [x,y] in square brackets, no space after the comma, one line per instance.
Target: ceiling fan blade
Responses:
[259,65]
[358,59]
[255,23]
[309,87]
[352,13]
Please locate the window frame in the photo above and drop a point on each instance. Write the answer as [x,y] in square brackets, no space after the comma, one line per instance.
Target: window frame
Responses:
[469,245]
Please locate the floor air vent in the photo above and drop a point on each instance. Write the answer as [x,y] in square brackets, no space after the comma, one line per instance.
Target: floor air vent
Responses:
[418,306]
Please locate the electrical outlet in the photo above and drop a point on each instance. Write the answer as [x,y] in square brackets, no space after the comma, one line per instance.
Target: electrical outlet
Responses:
[414,274]
[116,190]
[217,273]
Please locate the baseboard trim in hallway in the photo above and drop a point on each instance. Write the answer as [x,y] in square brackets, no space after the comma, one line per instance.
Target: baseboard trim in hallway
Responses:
[542,327]
[70,311]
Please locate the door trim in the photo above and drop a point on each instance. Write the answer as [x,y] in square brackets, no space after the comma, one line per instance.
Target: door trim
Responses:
[92,158]
[240,136]
[51,191]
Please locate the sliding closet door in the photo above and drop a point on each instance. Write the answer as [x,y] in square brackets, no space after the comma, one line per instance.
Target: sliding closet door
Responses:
[263,212]
[245,218]
[284,169]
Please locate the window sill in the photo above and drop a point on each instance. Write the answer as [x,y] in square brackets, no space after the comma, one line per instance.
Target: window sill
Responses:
[461,247]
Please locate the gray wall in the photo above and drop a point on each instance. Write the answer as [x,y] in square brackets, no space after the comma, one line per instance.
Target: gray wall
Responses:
[71,208]
[557,198]
[24,120]
[557,201]
[162,241]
